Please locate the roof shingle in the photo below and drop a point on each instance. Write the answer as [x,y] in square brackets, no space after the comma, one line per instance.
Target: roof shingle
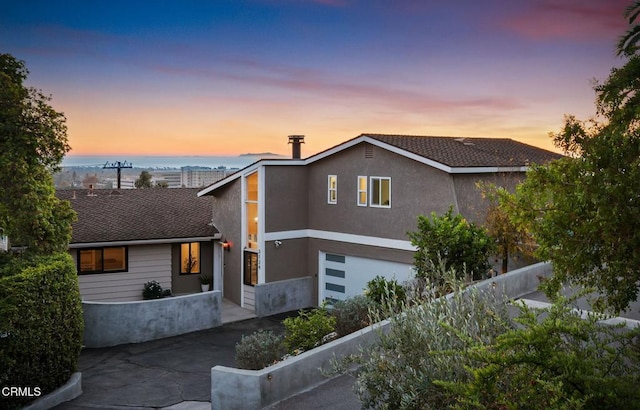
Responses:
[469,152]
[139,214]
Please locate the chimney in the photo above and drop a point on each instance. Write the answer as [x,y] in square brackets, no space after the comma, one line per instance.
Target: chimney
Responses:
[295,141]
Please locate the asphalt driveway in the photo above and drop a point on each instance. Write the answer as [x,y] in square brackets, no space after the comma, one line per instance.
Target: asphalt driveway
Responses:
[164,372]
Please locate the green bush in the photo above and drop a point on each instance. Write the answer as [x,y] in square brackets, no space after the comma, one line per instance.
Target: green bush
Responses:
[41,324]
[385,292]
[308,329]
[259,350]
[462,245]
[423,344]
[152,290]
[351,314]
[554,359]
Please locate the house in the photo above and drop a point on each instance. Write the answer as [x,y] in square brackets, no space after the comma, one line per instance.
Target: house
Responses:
[125,238]
[304,231]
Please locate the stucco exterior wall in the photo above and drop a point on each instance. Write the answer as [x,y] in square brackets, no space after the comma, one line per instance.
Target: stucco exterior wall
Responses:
[227,218]
[286,200]
[287,261]
[415,189]
[470,201]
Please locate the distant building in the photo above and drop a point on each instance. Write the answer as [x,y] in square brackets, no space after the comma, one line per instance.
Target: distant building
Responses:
[172,178]
[197,176]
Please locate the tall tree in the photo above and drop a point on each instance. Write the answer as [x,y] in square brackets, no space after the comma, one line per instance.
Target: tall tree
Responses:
[33,141]
[584,210]
[144,181]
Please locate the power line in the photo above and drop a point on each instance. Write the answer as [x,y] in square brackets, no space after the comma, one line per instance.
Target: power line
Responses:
[117,165]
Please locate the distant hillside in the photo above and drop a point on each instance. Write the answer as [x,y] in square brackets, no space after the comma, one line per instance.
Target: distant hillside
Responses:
[263,155]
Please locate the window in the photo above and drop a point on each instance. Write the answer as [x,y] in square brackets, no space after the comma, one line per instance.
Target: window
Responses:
[189,258]
[380,192]
[362,191]
[251,204]
[250,268]
[103,260]
[332,188]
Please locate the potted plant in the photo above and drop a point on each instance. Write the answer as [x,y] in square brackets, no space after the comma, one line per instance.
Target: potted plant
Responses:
[205,282]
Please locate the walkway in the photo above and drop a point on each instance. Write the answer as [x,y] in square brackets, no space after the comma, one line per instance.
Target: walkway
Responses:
[174,371]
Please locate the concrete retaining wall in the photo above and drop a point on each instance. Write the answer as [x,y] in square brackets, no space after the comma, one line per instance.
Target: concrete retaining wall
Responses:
[283,296]
[519,282]
[115,323]
[254,389]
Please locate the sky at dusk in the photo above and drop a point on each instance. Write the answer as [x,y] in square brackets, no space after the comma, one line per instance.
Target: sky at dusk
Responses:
[225,77]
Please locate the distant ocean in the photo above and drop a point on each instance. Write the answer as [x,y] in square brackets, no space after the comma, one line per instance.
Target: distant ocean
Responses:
[162,162]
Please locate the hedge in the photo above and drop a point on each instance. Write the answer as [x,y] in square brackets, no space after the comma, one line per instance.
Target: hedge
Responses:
[41,325]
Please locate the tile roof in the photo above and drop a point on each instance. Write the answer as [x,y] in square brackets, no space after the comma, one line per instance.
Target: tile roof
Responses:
[139,214]
[469,152]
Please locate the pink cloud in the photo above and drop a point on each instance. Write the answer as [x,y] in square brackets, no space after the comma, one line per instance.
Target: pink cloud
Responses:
[568,19]
[339,90]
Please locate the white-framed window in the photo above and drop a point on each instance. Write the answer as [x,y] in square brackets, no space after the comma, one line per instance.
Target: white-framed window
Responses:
[362,191]
[380,192]
[332,189]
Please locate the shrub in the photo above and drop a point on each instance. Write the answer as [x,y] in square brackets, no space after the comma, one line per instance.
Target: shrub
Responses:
[384,292]
[351,314]
[152,290]
[423,344]
[41,324]
[259,350]
[462,245]
[308,329]
[555,359]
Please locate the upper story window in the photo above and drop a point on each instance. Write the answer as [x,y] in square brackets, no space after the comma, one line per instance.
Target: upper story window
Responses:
[332,189]
[190,258]
[380,192]
[251,204]
[103,260]
[362,191]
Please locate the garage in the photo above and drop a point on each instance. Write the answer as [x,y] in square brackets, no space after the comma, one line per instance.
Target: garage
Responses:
[343,276]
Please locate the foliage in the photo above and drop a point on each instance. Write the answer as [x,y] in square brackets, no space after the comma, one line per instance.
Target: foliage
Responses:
[383,293]
[308,329]
[41,323]
[152,290]
[205,279]
[510,239]
[584,210]
[34,140]
[628,43]
[351,314]
[554,359]
[144,181]
[462,245]
[259,350]
[399,370]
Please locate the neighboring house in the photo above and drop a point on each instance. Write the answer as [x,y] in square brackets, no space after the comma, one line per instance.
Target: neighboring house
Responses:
[327,224]
[123,239]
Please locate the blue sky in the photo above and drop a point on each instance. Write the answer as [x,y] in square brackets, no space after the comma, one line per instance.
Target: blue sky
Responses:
[227,77]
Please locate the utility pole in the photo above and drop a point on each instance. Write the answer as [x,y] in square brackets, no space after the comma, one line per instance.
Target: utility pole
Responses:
[118,165]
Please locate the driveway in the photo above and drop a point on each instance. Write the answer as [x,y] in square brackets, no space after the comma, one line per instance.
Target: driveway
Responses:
[163,372]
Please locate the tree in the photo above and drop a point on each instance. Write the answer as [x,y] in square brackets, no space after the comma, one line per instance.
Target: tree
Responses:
[144,181]
[627,44]
[584,210]
[33,141]
[510,239]
[449,238]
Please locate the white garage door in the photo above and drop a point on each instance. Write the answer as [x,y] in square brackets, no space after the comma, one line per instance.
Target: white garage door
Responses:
[343,276]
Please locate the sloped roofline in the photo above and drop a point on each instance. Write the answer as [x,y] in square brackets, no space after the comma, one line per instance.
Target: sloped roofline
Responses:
[350,143]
